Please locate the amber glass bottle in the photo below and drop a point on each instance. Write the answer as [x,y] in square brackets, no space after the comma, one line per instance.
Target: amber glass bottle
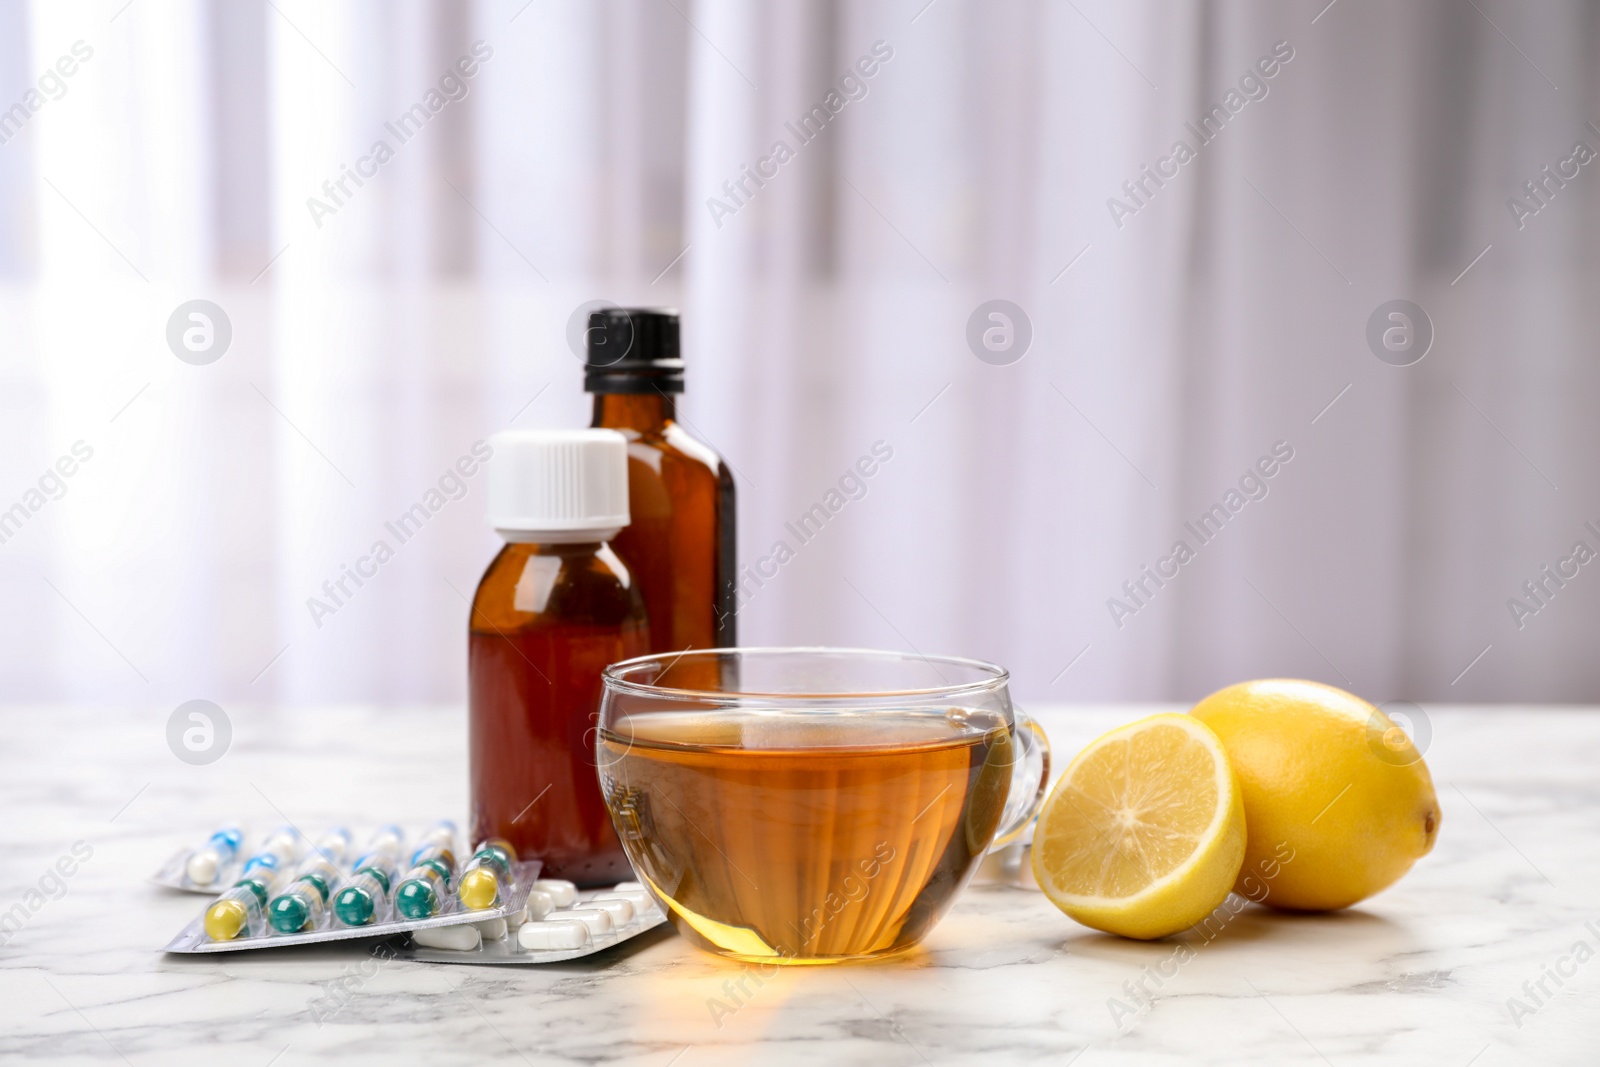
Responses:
[553,610]
[680,543]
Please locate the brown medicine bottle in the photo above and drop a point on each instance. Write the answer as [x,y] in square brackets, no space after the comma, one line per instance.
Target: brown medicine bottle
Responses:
[552,611]
[680,545]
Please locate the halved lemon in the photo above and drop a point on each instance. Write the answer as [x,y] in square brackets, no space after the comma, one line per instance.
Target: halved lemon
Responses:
[1144,833]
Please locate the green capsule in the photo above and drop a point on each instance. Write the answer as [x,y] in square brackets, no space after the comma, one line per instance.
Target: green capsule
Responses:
[318,882]
[417,899]
[300,906]
[357,902]
[257,885]
[354,907]
[290,911]
[489,856]
[500,847]
[431,876]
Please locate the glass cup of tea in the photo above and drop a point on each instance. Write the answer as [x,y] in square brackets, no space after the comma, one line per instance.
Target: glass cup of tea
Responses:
[813,805]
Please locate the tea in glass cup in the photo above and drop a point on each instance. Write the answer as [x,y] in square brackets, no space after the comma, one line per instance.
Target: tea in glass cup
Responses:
[820,805]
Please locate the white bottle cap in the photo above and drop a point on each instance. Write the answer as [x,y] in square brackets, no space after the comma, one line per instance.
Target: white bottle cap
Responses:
[558,485]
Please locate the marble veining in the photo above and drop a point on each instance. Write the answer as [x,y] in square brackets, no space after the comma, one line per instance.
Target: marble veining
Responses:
[1431,972]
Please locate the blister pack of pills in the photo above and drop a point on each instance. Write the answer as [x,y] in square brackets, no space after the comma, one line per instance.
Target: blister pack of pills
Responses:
[294,892]
[557,922]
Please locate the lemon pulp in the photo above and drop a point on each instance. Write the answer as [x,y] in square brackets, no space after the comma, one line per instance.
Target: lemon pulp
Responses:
[1144,834]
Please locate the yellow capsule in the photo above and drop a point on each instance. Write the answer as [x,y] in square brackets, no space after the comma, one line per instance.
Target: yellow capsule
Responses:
[225,919]
[479,889]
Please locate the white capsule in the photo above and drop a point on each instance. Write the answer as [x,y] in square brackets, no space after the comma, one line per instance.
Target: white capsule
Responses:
[637,897]
[441,833]
[284,842]
[553,934]
[598,921]
[620,909]
[491,929]
[562,892]
[335,845]
[538,906]
[386,839]
[461,938]
[202,867]
[623,887]
[207,861]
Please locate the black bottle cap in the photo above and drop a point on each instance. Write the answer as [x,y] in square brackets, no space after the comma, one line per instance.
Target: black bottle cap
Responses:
[632,350]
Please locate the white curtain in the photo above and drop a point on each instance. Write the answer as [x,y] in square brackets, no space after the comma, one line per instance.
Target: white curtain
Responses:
[597,151]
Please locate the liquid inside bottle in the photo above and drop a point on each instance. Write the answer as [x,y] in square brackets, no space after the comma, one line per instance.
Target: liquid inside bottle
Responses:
[547,619]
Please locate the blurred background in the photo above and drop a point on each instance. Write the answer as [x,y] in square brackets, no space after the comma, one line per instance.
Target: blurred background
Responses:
[392,210]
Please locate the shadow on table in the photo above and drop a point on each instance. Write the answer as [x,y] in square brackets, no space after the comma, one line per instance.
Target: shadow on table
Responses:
[1354,931]
[348,949]
[345,949]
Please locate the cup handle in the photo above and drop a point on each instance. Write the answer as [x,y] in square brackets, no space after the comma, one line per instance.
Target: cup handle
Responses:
[1030,776]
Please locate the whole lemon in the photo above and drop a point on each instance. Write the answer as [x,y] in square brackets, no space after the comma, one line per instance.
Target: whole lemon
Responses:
[1337,801]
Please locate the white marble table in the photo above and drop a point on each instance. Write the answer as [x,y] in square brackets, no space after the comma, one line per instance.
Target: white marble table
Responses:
[1422,974]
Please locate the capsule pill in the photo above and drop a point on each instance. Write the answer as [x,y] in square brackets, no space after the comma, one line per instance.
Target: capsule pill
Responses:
[441,834]
[207,861]
[334,845]
[236,912]
[562,892]
[300,906]
[620,910]
[422,892]
[364,893]
[276,853]
[487,876]
[461,938]
[598,921]
[553,934]
[491,929]
[538,906]
[387,839]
